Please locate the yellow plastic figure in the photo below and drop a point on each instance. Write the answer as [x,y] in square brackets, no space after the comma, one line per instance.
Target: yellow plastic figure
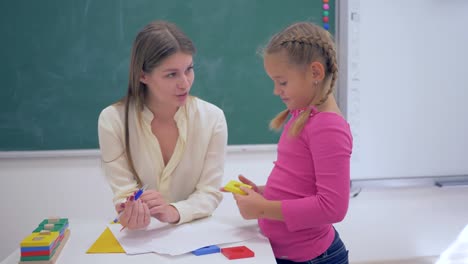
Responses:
[233,186]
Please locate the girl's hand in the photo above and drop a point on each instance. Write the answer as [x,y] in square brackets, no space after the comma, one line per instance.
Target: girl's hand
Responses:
[251,205]
[258,189]
[249,182]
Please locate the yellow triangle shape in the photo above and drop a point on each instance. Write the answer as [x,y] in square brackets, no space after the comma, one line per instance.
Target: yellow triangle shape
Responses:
[106,243]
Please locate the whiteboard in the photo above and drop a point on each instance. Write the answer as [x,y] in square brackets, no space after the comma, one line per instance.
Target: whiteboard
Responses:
[406,87]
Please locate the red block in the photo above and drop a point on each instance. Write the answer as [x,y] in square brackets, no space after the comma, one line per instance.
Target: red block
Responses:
[35,253]
[237,252]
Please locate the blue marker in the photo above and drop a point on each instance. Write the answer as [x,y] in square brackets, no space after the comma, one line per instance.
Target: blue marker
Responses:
[137,195]
[140,192]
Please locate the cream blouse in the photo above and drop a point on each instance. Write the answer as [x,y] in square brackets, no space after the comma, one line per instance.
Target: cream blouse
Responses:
[193,175]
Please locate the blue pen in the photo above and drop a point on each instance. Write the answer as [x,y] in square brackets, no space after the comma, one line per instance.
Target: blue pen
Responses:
[137,195]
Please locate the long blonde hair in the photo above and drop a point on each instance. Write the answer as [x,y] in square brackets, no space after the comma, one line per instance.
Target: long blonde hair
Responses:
[154,43]
[305,43]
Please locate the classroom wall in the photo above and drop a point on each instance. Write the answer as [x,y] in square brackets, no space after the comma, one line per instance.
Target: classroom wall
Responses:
[381,224]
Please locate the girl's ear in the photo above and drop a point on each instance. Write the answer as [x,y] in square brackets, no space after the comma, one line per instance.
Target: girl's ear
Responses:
[318,71]
[143,77]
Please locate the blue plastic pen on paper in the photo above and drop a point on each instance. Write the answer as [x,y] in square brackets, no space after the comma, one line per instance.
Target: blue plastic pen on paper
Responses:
[137,195]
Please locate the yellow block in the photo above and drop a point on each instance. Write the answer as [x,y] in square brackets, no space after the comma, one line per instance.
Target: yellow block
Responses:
[39,240]
[106,243]
[233,186]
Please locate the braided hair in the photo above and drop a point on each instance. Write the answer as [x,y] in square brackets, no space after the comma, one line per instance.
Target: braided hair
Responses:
[305,43]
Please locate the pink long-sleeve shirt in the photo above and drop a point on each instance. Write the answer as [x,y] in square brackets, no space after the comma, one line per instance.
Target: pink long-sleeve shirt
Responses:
[311,179]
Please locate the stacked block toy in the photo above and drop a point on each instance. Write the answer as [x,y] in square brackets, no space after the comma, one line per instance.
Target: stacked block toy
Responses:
[45,243]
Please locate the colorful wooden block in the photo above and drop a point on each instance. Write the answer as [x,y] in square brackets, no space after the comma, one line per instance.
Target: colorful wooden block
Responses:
[55,253]
[237,252]
[46,241]
[58,221]
[32,249]
[40,239]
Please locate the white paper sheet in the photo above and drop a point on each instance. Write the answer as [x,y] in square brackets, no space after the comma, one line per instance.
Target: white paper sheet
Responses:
[180,239]
[457,253]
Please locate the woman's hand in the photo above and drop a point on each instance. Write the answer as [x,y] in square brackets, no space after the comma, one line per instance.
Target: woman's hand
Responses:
[135,214]
[159,208]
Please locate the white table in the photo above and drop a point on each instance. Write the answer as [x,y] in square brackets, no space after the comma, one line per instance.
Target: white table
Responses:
[85,231]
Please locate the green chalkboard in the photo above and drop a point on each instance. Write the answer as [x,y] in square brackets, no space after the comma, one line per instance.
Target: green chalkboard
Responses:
[62,62]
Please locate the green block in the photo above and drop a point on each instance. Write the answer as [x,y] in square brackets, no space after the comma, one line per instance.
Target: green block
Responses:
[57,228]
[61,221]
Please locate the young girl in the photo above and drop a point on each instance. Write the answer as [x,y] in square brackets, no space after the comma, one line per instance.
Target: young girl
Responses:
[159,136]
[308,188]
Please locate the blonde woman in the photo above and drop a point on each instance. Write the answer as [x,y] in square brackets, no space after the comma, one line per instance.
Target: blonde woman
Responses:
[160,136]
